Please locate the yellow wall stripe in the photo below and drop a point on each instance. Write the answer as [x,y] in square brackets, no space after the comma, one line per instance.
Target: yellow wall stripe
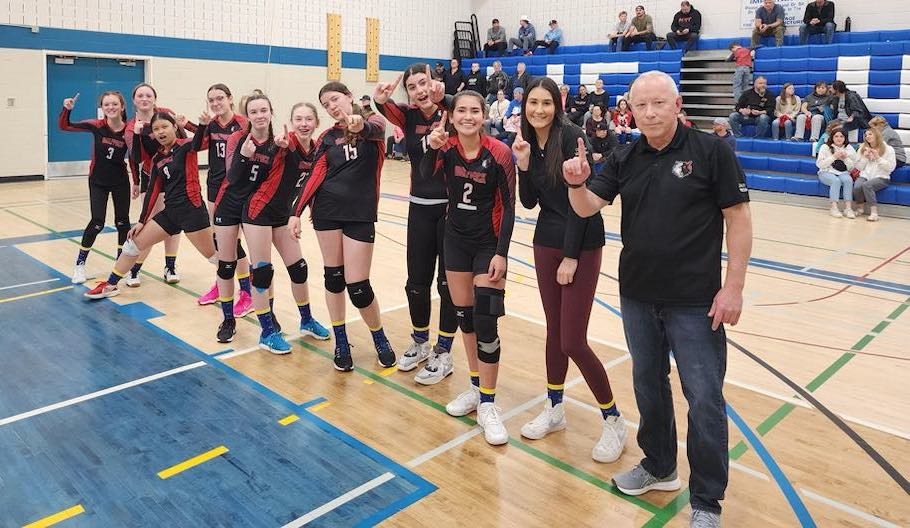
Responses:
[193,462]
[289,419]
[57,517]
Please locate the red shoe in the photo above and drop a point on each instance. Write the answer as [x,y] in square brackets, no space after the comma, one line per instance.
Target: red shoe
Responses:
[103,290]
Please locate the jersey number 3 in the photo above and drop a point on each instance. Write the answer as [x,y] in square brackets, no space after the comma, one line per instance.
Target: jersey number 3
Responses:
[110,153]
[465,202]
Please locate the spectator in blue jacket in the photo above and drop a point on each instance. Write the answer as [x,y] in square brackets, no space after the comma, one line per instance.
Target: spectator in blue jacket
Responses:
[527,35]
[552,39]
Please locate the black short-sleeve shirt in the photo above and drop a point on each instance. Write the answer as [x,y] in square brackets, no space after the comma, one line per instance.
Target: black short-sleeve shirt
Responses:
[672,220]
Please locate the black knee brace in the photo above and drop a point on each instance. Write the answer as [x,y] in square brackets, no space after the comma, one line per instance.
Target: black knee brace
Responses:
[298,272]
[123,227]
[442,286]
[226,269]
[240,252]
[489,304]
[261,276]
[465,315]
[361,293]
[418,303]
[334,279]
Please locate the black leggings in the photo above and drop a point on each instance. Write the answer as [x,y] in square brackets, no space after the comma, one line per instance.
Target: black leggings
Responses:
[426,225]
[97,196]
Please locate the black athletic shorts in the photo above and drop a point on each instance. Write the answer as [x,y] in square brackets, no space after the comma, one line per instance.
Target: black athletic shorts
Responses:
[186,218]
[229,211]
[360,231]
[468,257]
[143,181]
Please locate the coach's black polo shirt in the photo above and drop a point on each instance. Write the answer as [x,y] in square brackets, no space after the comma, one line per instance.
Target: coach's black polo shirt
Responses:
[672,225]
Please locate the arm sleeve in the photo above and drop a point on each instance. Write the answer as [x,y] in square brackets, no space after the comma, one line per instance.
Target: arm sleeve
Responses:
[806,15]
[431,165]
[312,184]
[151,196]
[695,26]
[574,236]
[135,154]
[63,121]
[374,128]
[394,112]
[649,27]
[236,163]
[850,160]
[727,177]
[527,192]
[860,161]
[825,157]
[507,199]
[605,183]
[192,127]
[674,26]
[201,138]
[889,160]
[830,17]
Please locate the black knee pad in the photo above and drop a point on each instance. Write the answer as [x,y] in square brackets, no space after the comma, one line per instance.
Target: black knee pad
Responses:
[240,252]
[95,226]
[417,294]
[489,301]
[442,286]
[334,279]
[226,269]
[298,272]
[122,223]
[261,276]
[465,315]
[361,293]
[489,306]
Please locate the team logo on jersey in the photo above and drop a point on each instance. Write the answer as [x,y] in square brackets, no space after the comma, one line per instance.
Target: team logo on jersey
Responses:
[743,188]
[681,169]
[485,163]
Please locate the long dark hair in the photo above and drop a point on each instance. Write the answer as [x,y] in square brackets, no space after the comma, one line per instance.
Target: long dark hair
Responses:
[552,153]
[830,141]
[157,116]
[467,93]
[249,126]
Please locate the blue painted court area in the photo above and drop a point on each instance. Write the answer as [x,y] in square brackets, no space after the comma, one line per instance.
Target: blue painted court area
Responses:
[105,453]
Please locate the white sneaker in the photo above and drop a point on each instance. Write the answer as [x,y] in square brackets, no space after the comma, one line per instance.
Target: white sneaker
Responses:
[78,274]
[873,217]
[494,431]
[416,354]
[170,276]
[465,403]
[551,419]
[612,441]
[835,212]
[133,281]
[437,368]
[849,213]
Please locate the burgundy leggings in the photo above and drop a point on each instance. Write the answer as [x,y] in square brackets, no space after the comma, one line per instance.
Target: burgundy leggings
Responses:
[567,309]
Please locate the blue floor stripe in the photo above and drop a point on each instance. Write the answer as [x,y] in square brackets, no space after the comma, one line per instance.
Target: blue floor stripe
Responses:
[44,237]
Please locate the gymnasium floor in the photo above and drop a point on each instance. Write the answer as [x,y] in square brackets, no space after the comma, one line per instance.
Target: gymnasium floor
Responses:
[127,412]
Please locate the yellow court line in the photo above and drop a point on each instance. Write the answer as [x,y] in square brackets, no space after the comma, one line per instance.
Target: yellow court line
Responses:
[57,517]
[320,406]
[368,381]
[193,462]
[27,295]
[388,371]
[289,419]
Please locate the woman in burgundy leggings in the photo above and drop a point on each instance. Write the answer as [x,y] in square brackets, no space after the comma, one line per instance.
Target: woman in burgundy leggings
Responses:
[567,253]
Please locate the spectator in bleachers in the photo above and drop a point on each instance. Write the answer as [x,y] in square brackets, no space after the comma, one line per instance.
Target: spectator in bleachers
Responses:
[642,30]
[742,75]
[686,26]
[453,78]
[684,118]
[551,39]
[512,122]
[819,18]
[526,36]
[365,107]
[564,95]
[786,107]
[875,161]
[602,144]
[623,121]
[622,27]
[833,125]
[721,127]
[849,108]
[599,97]
[496,41]
[438,72]
[755,106]
[812,113]
[497,114]
[835,161]
[475,80]
[395,145]
[521,79]
[496,82]
[597,117]
[891,138]
[578,106]
[769,20]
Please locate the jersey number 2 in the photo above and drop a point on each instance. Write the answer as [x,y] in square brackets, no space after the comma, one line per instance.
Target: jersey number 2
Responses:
[465,202]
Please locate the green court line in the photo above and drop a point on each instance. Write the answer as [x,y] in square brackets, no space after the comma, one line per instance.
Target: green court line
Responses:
[669,511]
[881,326]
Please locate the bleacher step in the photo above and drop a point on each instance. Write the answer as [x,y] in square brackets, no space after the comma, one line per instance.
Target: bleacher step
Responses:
[707,94]
[693,82]
[708,70]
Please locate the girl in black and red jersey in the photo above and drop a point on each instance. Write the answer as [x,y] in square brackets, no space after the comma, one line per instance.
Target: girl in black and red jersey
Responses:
[144,99]
[175,172]
[426,223]
[343,193]
[107,175]
[221,123]
[479,174]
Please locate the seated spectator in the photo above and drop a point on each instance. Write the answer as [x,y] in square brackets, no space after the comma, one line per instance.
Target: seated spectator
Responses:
[742,75]
[642,30]
[684,118]
[512,123]
[686,26]
[578,106]
[496,82]
[521,79]
[564,95]
[622,27]
[439,72]
[551,39]
[365,107]
[875,162]
[599,97]
[812,113]
[891,138]
[786,108]
[755,106]
[597,116]
[769,20]
[496,116]
[602,144]
[396,148]
[496,41]
[819,18]
[835,161]
[849,107]
[453,78]
[721,127]
[526,37]
[475,80]
[833,125]
[623,121]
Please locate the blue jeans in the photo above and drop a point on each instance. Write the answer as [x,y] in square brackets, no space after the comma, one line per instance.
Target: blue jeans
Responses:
[837,180]
[775,129]
[761,122]
[742,81]
[805,30]
[652,333]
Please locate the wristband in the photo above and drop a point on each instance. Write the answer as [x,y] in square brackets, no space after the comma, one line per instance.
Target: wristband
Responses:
[575,185]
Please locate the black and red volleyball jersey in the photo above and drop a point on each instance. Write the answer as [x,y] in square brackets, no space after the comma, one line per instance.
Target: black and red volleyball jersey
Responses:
[275,196]
[344,183]
[416,127]
[245,174]
[175,173]
[481,191]
[215,137]
[108,165]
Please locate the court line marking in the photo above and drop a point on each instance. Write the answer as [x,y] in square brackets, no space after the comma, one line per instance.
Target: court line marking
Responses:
[58,517]
[27,283]
[190,463]
[320,406]
[878,521]
[35,294]
[289,419]
[340,501]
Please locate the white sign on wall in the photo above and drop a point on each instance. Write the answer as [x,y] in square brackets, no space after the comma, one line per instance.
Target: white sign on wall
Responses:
[793,12]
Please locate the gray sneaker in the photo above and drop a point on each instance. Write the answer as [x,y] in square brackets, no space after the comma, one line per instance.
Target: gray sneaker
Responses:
[704,519]
[637,481]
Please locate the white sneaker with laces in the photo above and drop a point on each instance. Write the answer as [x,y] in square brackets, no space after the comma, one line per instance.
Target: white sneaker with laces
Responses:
[416,354]
[78,274]
[849,213]
[170,276]
[437,368]
[612,441]
[835,212]
[494,431]
[551,419]
[133,281]
[465,403]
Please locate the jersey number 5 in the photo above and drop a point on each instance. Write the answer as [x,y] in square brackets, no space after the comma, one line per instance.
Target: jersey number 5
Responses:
[350,153]
[465,202]
[255,172]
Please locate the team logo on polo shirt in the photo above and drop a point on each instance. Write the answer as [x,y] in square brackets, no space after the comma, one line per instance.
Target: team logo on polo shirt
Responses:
[681,169]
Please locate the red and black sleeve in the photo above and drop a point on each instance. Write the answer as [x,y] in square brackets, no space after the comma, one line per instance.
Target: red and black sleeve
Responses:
[312,184]
[374,128]
[90,125]
[151,196]
[504,209]
[233,156]
[395,113]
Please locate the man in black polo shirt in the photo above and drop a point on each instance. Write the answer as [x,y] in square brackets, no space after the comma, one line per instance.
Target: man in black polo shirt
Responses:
[679,187]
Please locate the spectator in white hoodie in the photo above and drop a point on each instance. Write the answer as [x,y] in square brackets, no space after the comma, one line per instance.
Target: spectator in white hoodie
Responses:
[875,162]
[835,161]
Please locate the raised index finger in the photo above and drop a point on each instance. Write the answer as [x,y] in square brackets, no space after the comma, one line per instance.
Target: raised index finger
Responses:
[395,84]
[582,152]
[76,97]
[442,122]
